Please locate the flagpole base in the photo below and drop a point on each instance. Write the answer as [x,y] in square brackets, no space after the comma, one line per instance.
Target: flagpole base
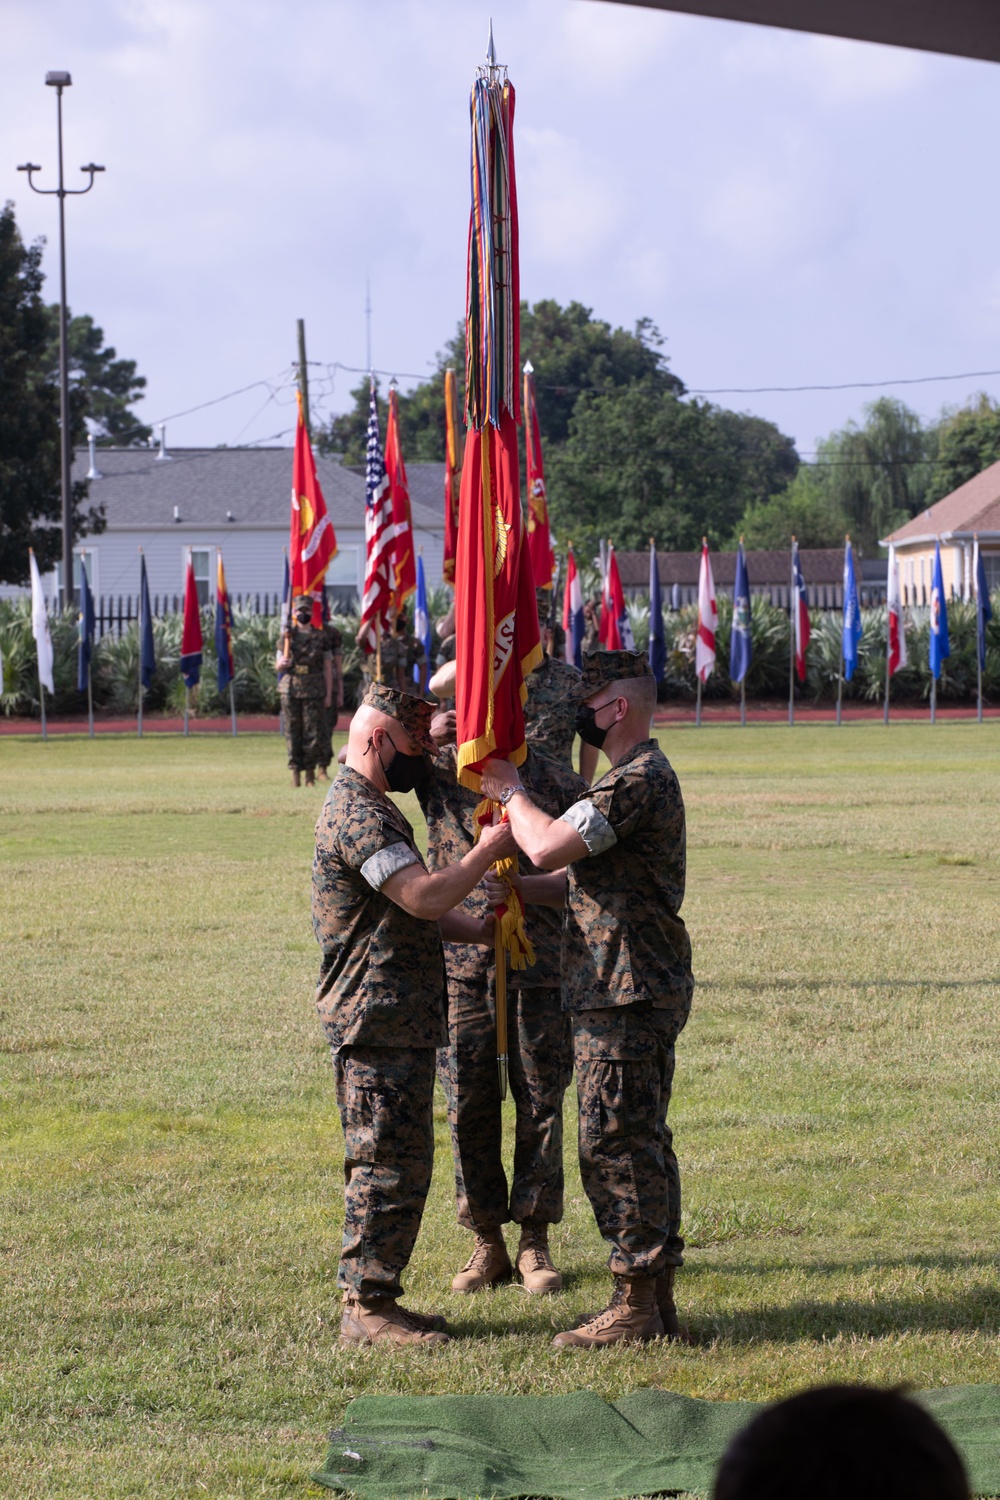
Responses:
[502,1071]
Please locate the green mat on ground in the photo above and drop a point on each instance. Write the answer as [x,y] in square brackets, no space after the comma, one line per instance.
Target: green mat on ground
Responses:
[579,1447]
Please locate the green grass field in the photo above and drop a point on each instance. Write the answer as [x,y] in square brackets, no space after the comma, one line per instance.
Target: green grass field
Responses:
[170,1149]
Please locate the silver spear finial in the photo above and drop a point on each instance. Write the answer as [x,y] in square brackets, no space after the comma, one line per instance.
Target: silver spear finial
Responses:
[491,51]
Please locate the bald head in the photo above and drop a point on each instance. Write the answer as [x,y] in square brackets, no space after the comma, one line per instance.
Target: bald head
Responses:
[366,721]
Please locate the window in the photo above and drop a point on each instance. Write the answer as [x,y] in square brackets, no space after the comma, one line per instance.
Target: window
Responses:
[90,554]
[201,562]
[991,567]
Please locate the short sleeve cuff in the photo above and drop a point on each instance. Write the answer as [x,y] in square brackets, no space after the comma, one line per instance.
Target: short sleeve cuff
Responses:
[592,826]
[386,862]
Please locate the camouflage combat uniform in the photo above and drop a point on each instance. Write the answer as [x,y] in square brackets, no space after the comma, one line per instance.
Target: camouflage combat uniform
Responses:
[550,712]
[393,658]
[627,983]
[381,998]
[303,690]
[330,715]
[537,1036]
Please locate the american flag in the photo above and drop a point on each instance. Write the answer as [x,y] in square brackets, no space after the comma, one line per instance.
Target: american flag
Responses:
[380,534]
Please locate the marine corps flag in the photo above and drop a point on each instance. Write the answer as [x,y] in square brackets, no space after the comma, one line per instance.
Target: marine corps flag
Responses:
[312,543]
[543,558]
[496,621]
[452,475]
[404,567]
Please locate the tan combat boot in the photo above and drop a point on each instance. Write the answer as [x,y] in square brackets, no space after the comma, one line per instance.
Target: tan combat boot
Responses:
[322,773]
[310,778]
[632,1315]
[382,1320]
[296,779]
[672,1327]
[488,1264]
[534,1263]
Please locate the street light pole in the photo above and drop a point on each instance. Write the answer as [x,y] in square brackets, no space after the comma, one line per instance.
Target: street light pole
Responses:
[60,81]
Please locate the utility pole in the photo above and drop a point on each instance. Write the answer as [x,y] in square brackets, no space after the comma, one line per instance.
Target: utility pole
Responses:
[304,376]
[59,81]
[368,324]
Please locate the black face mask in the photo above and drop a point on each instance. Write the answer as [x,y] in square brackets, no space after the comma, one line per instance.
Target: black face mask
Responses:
[403,771]
[587,727]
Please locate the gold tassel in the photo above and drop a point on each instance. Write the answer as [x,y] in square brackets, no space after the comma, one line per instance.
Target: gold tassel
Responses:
[513,934]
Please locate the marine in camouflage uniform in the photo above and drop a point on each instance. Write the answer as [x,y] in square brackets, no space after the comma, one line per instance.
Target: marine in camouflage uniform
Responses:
[331,713]
[381,999]
[627,983]
[306,689]
[538,1048]
[550,710]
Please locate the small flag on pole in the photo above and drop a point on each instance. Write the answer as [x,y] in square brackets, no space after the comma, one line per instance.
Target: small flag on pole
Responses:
[422,629]
[147,647]
[85,629]
[378,536]
[312,540]
[40,626]
[740,643]
[572,620]
[191,637]
[223,628]
[452,475]
[404,572]
[851,630]
[940,646]
[657,637]
[894,610]
[708,619]
[800,618]
[984,609]
[286,611]
[617,632]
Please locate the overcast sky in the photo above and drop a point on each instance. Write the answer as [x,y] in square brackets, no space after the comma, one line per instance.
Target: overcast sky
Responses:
[789,210]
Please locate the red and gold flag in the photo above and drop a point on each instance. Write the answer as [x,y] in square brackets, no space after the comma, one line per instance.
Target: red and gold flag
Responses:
[404,565]
[452,475]
[496,621]
[313,543]
[540,549]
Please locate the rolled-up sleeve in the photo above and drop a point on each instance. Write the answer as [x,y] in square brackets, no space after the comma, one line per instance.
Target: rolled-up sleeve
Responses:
[592,826]
[385,862]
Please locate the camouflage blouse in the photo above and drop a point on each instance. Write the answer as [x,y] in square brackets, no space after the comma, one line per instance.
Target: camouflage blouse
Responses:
[550,712]
[381,981]
[553,788]
[309,649]
[623,938]
[449,808]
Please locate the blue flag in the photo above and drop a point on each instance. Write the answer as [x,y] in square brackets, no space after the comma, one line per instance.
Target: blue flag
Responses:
[657,643]
[740,644]
[984,609]
[147,650]
[852,614]
[940,647]
[285,587]
[86,630]
[422,629]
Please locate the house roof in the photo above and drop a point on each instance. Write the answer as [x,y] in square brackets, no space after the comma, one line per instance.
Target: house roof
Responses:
[973,507]
[426,483]
[139,490]
[819,565]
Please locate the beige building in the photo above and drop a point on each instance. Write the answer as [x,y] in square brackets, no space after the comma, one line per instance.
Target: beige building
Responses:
[955,521]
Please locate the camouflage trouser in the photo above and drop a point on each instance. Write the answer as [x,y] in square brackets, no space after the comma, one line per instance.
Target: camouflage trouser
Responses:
[624,1059]
[325,753]
[538,1049]
[303,732]
[386,1100]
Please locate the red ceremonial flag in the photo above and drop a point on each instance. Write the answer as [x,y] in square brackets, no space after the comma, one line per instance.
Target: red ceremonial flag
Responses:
[496,620]
[312,543]
[404,566]
[191,638]
[614,607]
[452,475]
[543,558]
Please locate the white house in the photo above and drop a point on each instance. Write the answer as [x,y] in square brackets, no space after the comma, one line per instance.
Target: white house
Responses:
[236,500]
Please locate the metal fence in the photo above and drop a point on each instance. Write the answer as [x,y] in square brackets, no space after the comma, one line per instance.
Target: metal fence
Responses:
[819,596]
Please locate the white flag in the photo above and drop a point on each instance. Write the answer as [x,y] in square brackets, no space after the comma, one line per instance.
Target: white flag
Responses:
[894,617]
[708,619]
[40,626]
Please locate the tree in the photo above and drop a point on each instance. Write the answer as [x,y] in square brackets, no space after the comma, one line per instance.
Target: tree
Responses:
[968,442]
[878,474]
[804,510]
[30,495]
[641,462]
[108,385]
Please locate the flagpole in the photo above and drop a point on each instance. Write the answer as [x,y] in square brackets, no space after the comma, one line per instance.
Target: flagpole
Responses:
[90,702]
[793,615]
[501,1000]
[888,654]
[743,701]
[697,705]
[980,623]
[378,648]
[933,700]
[139,631]
[41,696]
[232,703]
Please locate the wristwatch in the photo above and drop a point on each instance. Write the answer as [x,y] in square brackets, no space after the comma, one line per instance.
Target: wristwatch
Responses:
[508,792]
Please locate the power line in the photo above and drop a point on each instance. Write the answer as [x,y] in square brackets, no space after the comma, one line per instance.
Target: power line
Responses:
[848,385]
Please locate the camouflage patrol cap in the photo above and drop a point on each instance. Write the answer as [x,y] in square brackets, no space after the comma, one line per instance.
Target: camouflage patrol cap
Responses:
[413,713]
[601,668]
